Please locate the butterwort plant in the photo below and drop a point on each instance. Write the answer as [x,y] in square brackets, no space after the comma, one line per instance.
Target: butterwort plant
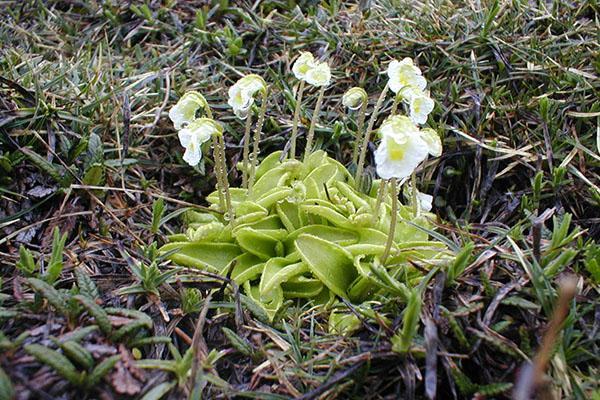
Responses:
[306,228]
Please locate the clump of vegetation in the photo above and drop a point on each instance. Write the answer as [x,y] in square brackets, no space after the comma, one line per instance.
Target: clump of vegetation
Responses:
[95,309]
[303,229]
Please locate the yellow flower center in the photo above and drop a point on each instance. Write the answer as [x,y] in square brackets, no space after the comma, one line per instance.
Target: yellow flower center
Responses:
[417,106]
[396,151]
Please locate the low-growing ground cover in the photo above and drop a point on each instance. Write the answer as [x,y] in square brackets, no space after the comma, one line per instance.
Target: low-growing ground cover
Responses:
[94,182]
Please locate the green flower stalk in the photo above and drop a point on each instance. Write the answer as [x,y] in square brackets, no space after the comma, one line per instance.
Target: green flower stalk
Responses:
[393,221]
[246,152]
[222,167]
[413,193]
[313,123]
[367,136]
[421,202]
[217,169]
[296,120]
[357,99]
[380,196]
[395,104]
[257,132]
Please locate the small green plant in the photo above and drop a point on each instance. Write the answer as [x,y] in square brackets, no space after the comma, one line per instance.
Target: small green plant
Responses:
[158,209]
[180,366]
[71,305]
[149,278]
[28,267]
[591,261]
[410,324]
[74,363]
[191,301]
[308,229]
[7,392]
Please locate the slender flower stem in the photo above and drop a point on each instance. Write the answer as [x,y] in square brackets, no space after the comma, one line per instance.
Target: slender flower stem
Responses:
[296,120]
[413,193]
[395,104]
[367,137]
[217,169]
[207,111]
[313,123]
[392,231]
[257,132]
[246,154]
[224,179]
[360,124]
[380,195]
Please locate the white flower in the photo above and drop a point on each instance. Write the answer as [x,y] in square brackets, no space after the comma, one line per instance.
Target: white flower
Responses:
[402,148]
[354,98]
[319,75]
[303,64]
[186,108]
[434,143]
[420,107]
[424,201]
[194,135]
[403,74]
[241,94]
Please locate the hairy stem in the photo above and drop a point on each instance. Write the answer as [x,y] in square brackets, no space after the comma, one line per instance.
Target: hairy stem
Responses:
[313,123]
[296,120]
[257,132]
[207,111]
[367,137]
[246,153]
[224,179]
[360,124]
[392,231]
[413,193]
[395,105]
[217,169]
[380,196]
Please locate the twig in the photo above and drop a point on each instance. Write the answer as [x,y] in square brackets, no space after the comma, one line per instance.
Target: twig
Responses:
[313,394]
[532,375]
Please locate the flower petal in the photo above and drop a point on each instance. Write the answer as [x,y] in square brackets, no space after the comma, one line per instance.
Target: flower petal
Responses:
[420,108]
[303,64]
[354,98]
[192,154]
[186,108]
[434,143]
[241,94]
[401,150]
[319,75]
[425,201]
[403,74]
[185,137]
